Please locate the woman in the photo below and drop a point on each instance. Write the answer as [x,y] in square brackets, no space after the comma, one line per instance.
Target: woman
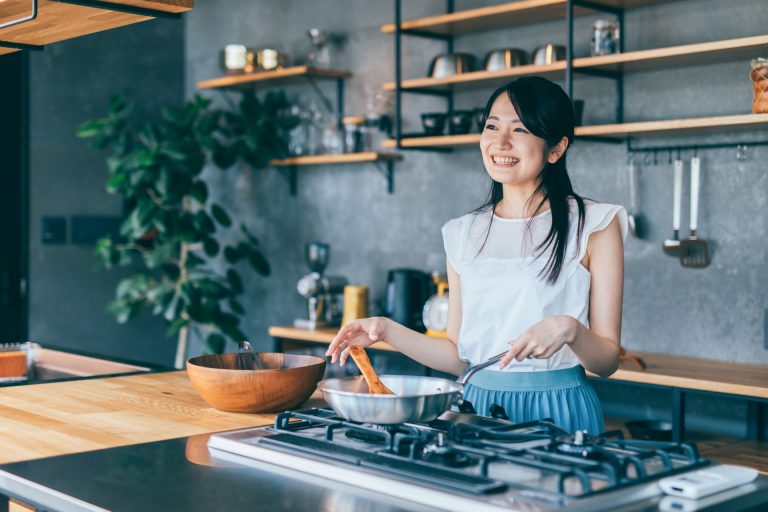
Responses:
[536,271]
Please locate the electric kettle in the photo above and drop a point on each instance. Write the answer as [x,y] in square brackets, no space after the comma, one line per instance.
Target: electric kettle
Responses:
[407,291]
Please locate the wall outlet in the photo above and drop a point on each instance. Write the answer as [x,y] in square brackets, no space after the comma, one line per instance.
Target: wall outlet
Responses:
[54,230]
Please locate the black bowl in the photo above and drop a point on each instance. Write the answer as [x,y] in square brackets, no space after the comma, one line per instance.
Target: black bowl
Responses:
[460,121]
[650,430]
[434,123]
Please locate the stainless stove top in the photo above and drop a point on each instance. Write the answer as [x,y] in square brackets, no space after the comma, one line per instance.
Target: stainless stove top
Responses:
[463,462]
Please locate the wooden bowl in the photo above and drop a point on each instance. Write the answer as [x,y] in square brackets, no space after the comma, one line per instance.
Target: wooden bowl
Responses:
[287,381]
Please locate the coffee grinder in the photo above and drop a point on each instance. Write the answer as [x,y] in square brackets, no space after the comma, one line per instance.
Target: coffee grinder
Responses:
[324,294]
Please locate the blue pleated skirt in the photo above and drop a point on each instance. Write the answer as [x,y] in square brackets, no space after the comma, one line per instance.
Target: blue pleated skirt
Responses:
[564,396]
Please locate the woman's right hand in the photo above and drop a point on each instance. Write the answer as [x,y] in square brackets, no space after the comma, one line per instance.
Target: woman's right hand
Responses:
[363,332]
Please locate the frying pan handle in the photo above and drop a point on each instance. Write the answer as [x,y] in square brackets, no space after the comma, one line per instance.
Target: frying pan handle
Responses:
[469,372]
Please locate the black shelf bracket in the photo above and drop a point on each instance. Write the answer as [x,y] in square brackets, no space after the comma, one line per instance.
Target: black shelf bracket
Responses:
[447,94]
[387,170]
[327,102]
[128,9]
[612,75]
[22,46]
[291,175]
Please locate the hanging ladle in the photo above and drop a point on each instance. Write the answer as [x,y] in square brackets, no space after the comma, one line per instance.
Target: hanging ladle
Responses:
[672,246]
[634,218]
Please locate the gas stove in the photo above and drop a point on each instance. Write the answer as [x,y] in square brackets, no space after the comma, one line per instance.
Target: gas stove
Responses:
[467,462]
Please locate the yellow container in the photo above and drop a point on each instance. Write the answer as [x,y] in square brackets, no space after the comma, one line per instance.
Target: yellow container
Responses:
[355,303]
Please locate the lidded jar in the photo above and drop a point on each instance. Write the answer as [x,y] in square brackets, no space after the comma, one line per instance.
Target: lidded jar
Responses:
[605,37]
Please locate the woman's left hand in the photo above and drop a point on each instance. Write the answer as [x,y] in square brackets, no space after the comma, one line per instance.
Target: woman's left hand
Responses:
[542,339]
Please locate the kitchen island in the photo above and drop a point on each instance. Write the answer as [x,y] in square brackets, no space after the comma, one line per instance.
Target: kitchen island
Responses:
[156,428]
[139,442]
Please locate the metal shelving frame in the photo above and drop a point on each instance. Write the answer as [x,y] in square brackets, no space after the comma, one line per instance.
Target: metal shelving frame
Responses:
[617,76]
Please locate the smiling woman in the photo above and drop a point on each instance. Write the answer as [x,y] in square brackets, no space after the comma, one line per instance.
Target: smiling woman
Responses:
[536,273]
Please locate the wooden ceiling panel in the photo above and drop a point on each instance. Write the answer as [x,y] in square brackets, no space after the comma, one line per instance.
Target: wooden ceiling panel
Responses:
[57,21]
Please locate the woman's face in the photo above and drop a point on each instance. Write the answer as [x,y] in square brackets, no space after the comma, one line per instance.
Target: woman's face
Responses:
[511,154]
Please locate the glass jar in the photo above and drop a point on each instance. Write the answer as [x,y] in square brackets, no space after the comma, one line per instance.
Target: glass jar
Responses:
[759,76]
[352,143]
[605,37]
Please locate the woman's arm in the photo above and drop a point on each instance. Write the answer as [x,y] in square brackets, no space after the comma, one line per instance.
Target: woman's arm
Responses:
[440,354]
[596,347]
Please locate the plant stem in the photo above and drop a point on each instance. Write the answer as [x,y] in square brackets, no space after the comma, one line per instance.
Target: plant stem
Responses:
[183,343]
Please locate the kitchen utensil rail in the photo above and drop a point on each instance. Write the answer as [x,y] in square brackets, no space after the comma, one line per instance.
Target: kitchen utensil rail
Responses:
[692,147]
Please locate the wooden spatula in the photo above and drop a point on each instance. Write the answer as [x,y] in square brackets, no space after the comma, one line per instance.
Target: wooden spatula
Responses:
[375,386]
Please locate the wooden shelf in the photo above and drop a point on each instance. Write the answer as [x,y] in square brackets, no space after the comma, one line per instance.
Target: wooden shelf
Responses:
[505,15]
[487,79]
[687,55]
[676,126]
[58,21]
[345,158]
[618,131]
[440,140]
[283,76]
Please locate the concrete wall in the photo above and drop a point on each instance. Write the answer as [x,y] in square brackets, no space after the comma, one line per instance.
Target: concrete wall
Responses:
[70,82]
[715,313]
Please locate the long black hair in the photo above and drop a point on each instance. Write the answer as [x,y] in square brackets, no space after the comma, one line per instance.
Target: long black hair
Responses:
[546,112]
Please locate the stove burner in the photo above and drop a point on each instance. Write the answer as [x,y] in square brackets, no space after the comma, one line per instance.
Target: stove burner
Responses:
[446,456]
[370,436]
[579,444]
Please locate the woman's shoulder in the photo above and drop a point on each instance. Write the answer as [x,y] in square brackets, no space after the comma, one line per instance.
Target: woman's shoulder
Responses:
[456,225]
[597,216]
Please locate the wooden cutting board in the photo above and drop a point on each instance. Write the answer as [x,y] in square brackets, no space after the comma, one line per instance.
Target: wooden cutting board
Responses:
[60,418]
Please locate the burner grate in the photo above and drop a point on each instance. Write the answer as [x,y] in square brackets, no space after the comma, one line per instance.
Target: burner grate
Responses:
[482,457]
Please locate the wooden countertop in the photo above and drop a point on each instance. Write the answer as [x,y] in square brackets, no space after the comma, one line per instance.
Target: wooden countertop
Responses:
[59,418]
[743,379]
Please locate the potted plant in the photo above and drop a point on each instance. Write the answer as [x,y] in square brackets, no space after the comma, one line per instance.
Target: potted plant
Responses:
[171,232]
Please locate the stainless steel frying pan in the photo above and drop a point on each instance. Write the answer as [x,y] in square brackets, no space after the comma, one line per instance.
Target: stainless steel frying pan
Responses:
[416,399]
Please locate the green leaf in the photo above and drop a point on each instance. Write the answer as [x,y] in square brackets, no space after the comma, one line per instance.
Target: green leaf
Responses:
[176,326]
[259,263]
[234,280]
[221,215]
[215,343]
[204,222]
[232,255]
[199,191]
[235,306]
[90,128]
[116,182]
[211,247]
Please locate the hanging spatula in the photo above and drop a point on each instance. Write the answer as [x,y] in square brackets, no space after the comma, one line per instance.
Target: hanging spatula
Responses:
[694,252]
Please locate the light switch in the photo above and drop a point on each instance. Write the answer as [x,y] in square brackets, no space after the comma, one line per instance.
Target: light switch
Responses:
[54,230]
